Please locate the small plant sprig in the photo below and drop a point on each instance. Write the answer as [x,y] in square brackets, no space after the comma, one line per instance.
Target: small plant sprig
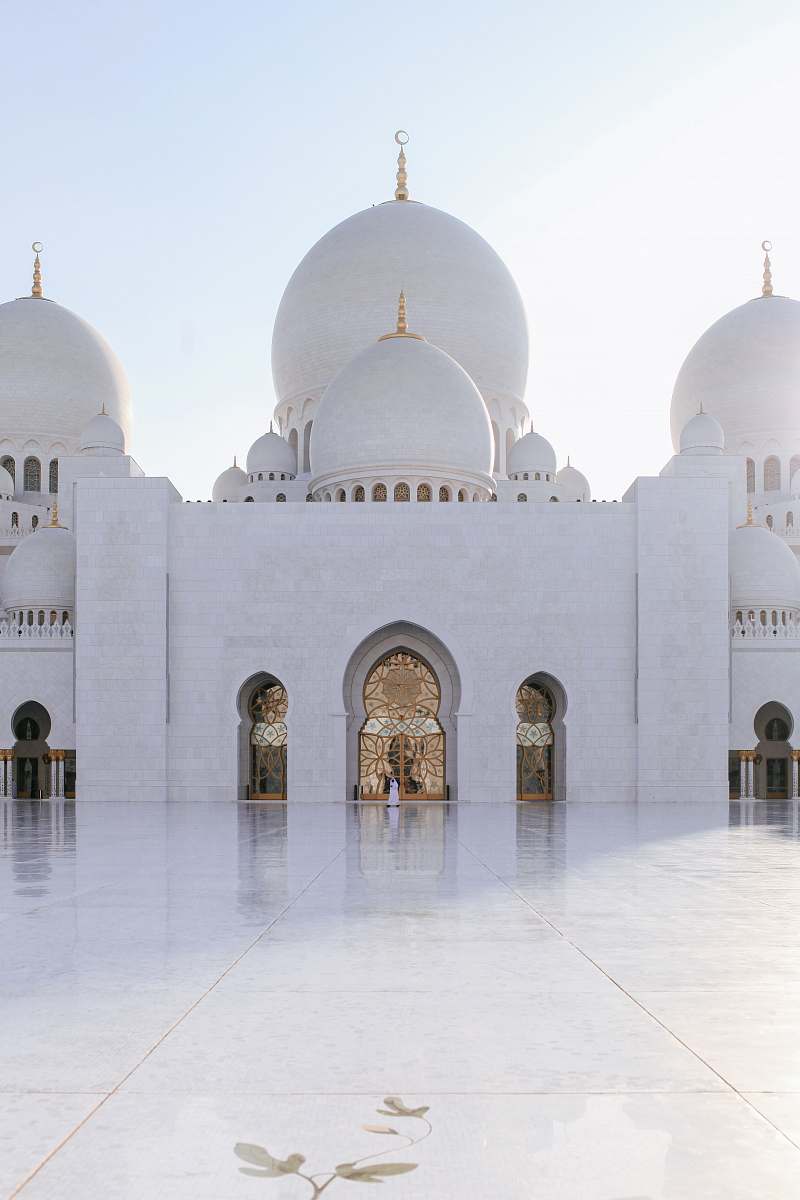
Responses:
[264,1165]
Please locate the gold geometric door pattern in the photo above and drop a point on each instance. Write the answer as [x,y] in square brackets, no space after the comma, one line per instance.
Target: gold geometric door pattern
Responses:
[268,707]
[401,737]
[535,710]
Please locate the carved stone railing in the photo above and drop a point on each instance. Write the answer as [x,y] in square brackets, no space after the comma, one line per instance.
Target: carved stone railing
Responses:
[15,532]
[11,633]
[754,631]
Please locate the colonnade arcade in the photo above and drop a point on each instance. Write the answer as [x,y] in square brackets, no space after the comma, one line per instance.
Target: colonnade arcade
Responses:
[770,770]
[31,769]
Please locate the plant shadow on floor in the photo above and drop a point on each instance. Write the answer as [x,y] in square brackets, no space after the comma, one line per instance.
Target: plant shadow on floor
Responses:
[263,1165]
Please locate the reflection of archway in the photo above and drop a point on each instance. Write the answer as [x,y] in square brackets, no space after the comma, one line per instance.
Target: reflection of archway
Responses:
[31,727]
[263,705]
[401,737]
[425,646]
[541,739]
[773,725]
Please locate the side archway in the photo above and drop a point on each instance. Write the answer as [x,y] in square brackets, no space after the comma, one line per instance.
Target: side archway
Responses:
[773,725]
[30,726]
[263,738]
[541,738]
[402,685]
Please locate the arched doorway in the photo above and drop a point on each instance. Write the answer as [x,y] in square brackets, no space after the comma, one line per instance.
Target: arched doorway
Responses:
[266,706]
[540,739]
[401,737]
[773,725]
[31,727]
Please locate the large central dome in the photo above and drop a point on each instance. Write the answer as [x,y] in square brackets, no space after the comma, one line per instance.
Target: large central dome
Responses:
[342,296]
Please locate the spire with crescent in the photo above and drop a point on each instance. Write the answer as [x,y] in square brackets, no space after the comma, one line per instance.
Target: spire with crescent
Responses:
[766,286]
[36,290]
[401,191]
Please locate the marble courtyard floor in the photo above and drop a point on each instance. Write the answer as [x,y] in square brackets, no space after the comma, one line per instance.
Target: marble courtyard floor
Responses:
[588,1002]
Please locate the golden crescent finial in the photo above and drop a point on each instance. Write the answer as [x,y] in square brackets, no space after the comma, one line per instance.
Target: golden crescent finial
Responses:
[766,286]
[401,191]
[36,290]
[402,323]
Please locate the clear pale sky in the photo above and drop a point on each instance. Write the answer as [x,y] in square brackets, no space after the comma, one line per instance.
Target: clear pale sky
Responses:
[178,160]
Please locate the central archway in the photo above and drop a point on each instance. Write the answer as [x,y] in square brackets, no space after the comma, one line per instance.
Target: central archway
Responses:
[436,676]
[401,737]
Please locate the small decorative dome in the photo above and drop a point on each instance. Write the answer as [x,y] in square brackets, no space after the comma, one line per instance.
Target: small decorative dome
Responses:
[102,436]
[574,484]
[764,571]
[402,406]
[41,571]
[531,452]
[273,453]
[6,485]
[228,485]
[702,434]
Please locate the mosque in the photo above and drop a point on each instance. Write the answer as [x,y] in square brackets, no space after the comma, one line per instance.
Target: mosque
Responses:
[400,583]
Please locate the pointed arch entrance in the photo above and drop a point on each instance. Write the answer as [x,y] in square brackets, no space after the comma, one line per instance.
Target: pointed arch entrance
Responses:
[263,705]
[402,682]
[401,737]
[540,739]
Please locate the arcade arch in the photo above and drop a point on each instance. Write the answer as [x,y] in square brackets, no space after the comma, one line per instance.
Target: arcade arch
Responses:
[541,738]
[263,738]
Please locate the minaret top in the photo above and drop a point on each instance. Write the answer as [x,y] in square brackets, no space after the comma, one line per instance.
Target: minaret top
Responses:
[766,286]
[402,324]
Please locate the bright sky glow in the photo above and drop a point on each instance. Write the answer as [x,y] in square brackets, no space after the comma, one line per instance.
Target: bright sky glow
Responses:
[178,160]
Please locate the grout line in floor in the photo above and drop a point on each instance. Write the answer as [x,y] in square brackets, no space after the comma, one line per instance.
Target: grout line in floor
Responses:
[643,1008]
[117,1087]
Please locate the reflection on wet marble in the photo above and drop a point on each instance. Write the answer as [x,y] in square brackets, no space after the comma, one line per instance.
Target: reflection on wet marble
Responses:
[597,1002]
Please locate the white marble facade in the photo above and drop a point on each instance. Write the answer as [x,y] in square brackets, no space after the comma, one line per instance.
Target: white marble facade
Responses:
[667,623]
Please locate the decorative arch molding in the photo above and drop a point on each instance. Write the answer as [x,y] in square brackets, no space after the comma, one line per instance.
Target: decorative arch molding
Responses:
[402,635]
[559,696]
[773,726]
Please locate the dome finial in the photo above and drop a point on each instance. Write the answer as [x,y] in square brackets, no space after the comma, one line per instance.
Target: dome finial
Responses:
[401,191]
[766,286]
[749,520]
[234,460]
[402,323]
[36,290]
[54,516]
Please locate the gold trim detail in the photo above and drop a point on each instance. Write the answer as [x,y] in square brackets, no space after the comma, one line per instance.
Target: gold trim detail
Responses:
[36,290]
[402,324]
[401,191]
[766,286]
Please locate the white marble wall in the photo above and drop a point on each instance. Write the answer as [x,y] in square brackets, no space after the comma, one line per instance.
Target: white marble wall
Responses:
[294,589]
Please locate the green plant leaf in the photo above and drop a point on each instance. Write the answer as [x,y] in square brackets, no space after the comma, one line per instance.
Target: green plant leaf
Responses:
[375,1172]
[268,1167]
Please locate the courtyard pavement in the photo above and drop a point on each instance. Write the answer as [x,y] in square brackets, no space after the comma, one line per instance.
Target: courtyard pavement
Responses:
[562,1002]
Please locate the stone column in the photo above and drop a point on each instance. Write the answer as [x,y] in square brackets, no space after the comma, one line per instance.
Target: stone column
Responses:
[751,771]
[53,772]
[60,774]
[5,773]
[795,774]
[742,774]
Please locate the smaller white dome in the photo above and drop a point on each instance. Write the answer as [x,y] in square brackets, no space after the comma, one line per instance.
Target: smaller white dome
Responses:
[702,434]
[41,571]
[102,436]
[531,452]
[574,484]
[764,571]
[228,485]
[273,453]
[6,484]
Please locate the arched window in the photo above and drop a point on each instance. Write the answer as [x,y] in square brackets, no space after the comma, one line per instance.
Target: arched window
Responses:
[776,730]
[522,498]
[34,522]
[769,522]
[535,712]
[444,494]
[249,500]
[554,499]
[271,475]
[309,498]
[64,618]
[537,475]
[327,497]
[340,496]
[401,737]
[751,475]
[53,476]
[32,475]
[10,466]
[772,474]
[53,616]
[15,521]
[293,444]
[379,492]
[496,439]
[359,494]
[306,445]
[493,497]
[423,493]
[280,498]
[40,617]
[462,495]
[268,736]
[402,491]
